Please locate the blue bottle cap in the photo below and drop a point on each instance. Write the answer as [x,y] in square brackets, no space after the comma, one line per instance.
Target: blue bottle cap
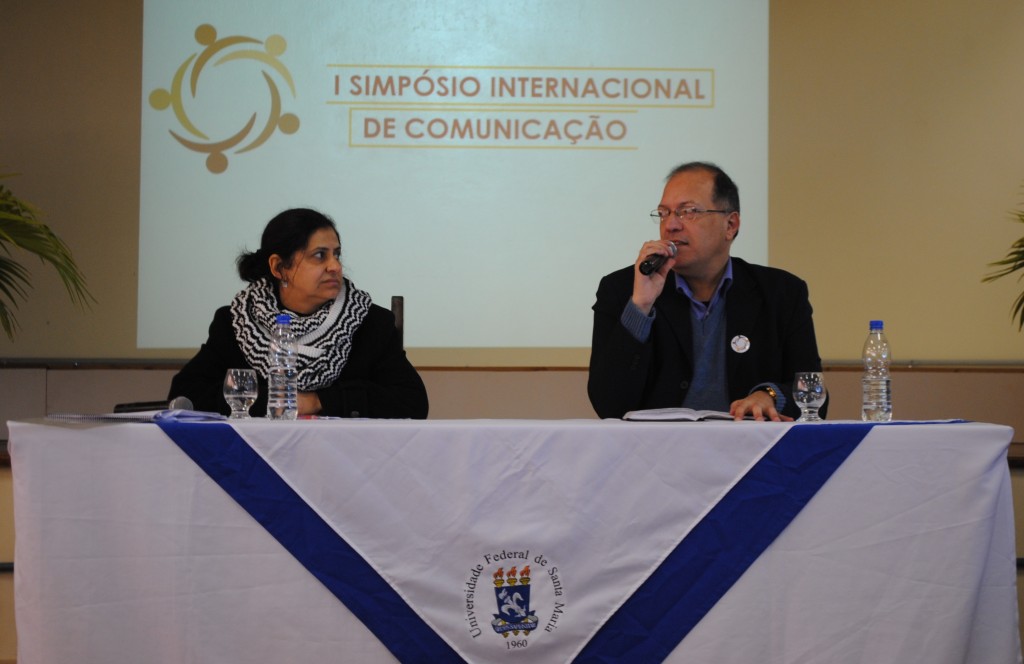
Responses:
[876,325]
[283,319]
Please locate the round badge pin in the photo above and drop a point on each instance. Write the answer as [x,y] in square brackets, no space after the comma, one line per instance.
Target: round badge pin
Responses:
[740,343]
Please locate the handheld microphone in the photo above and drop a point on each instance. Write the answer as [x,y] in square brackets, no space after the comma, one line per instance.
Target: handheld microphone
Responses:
[177,403]
[654,262]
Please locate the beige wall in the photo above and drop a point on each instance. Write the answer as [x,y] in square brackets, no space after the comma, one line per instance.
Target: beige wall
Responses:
[895,136]
[896,131]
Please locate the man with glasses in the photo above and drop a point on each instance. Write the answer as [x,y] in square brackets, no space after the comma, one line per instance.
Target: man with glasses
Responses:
[689,325]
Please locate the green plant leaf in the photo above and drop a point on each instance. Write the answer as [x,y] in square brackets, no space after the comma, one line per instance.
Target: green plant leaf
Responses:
[1011,263]
[20,227]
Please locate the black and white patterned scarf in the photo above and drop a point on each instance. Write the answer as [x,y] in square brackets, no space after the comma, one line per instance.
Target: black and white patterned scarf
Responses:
[324,337]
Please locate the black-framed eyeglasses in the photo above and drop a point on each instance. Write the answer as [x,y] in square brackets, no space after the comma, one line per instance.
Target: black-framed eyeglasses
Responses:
[686,213]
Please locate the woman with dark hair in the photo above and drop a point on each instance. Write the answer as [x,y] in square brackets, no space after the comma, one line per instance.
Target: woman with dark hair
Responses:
[350,362]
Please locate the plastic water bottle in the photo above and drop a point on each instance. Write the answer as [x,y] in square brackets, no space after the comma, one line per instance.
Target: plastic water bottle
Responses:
[282,395]
[876,393]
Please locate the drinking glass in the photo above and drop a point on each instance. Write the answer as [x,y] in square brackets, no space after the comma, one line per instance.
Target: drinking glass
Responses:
[809,394]
[240,391]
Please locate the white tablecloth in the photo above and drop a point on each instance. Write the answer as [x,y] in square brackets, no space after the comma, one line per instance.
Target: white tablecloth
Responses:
[127,551]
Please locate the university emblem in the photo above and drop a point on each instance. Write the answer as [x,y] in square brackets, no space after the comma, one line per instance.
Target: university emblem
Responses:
[512,593]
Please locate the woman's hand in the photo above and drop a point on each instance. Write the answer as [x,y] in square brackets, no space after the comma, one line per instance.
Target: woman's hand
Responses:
[309,403]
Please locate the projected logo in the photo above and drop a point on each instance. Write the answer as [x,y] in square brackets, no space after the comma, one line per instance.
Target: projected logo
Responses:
[232,99]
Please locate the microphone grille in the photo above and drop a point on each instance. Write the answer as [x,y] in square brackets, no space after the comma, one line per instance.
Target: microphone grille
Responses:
[180,403]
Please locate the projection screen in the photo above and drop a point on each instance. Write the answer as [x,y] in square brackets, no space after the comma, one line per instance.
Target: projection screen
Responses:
[489,161]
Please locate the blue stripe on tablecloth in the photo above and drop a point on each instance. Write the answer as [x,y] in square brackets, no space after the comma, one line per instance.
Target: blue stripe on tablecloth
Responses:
[648,626]
[250,481]
[652,622]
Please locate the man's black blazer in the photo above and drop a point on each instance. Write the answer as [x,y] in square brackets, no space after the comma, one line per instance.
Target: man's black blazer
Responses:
[768,306]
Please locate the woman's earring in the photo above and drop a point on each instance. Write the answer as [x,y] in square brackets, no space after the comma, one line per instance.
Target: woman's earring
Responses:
[284,284]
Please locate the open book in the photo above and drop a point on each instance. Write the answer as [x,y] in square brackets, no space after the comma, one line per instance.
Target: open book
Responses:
[679,414]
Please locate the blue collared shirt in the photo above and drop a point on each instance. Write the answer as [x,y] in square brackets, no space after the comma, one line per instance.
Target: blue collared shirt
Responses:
[701,310]
[639,325]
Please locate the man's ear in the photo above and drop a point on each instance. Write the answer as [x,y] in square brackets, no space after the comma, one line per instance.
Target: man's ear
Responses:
[734,225]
